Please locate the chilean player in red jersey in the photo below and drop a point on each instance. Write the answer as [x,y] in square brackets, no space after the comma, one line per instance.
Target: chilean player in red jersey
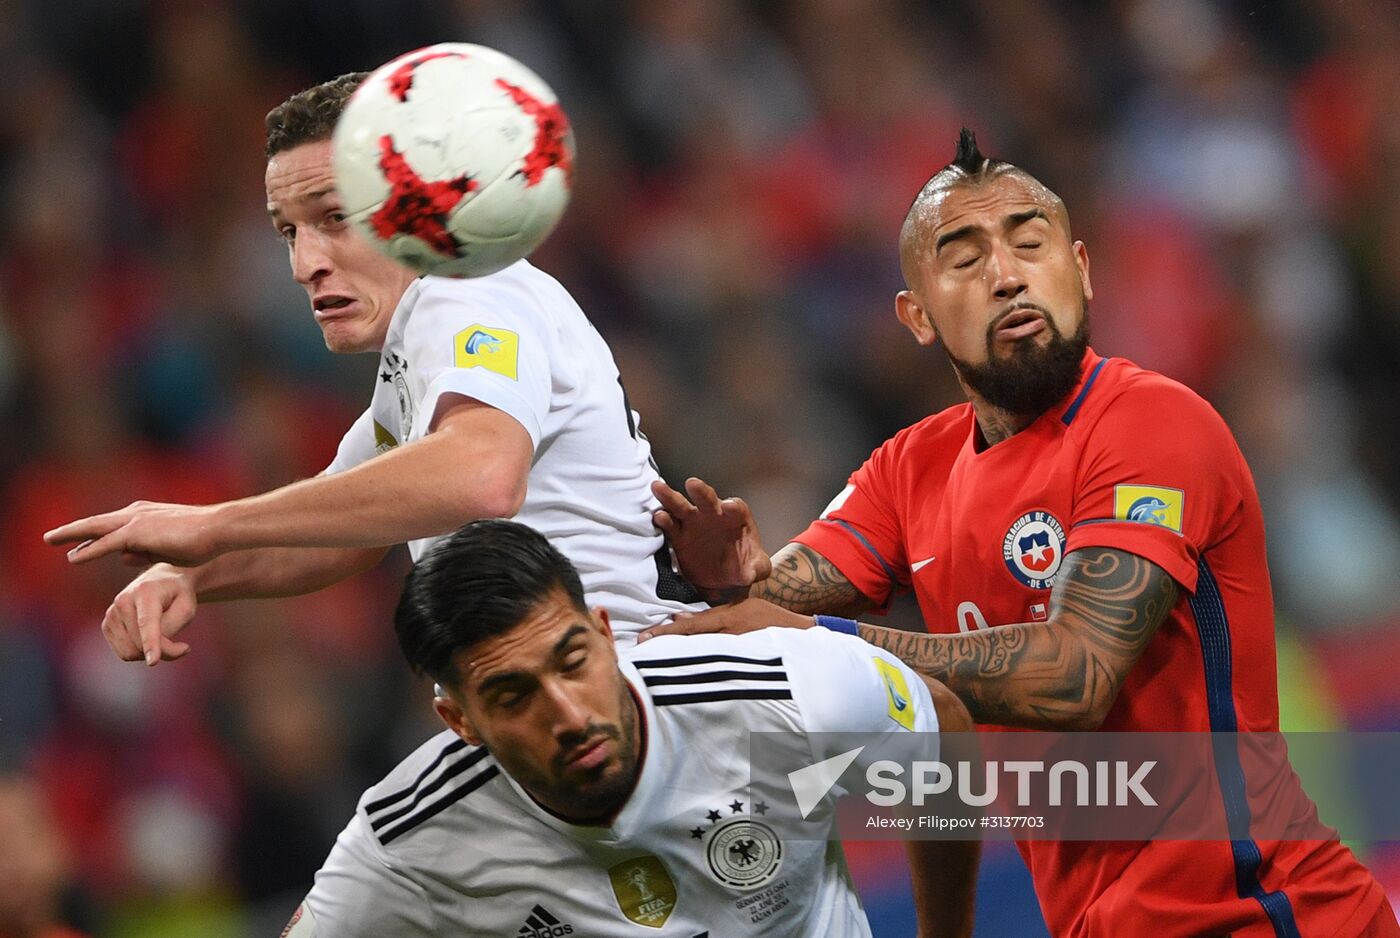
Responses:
[1086,544]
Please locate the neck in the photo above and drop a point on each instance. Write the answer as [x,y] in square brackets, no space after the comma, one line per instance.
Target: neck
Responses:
[995,423]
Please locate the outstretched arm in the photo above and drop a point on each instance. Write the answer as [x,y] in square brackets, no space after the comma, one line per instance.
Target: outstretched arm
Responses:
[473,465]
[152,609]
[304,536]
[1061,674]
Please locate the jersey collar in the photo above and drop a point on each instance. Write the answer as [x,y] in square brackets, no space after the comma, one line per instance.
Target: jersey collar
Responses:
[399,321]
[1089,369]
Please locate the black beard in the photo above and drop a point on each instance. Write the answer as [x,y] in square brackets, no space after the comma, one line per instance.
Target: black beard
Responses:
[1033,378]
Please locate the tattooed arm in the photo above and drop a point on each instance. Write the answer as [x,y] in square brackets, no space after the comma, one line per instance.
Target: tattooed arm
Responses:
[1062,674]
[804,581]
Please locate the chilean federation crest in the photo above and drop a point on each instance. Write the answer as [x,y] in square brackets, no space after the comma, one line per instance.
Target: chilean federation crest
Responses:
[1033,549]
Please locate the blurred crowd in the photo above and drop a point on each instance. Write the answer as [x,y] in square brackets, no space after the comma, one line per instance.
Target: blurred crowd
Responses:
[1234,168]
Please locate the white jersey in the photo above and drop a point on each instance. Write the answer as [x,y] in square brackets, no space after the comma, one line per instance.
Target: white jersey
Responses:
[516,340]
[448,844]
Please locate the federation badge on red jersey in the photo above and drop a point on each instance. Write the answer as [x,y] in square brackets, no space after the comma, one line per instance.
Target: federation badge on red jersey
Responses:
[1033,548]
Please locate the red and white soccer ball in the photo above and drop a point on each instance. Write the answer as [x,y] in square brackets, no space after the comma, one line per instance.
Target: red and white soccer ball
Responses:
[455,160]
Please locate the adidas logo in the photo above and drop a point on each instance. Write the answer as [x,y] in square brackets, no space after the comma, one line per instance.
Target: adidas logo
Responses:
[541,924]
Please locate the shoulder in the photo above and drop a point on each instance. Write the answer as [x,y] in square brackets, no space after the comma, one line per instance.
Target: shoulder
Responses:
[689,670]
[1126,384]
[824,679]
[1131,396]
[938,435]
[443,772]
[519,295]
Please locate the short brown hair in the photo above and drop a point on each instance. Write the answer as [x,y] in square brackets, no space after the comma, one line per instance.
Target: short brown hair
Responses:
[310,115]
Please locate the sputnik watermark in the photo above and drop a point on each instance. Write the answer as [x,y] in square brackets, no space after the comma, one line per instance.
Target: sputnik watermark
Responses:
[1102,783]
[1049,786]
[1116,783]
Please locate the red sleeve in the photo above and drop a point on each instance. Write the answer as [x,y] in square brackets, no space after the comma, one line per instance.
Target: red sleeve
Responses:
[1159,477]
[860,532]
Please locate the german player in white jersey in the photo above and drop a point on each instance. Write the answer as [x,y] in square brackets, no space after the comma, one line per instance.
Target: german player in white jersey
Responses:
[579,790]
[518,342]
[494,397]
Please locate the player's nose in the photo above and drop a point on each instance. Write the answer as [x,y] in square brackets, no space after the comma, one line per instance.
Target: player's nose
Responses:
[569,715]
[1008,280]
[311,260]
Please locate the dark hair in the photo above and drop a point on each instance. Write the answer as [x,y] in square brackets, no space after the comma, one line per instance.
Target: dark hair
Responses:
[480,582]
[310,115]
[968,157]
[969,161]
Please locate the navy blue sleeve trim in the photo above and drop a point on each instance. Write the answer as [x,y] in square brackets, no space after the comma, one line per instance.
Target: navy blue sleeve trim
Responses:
[1073,408]
[889,571]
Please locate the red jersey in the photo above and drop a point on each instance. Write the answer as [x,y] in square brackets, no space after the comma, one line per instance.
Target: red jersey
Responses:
[1135,462]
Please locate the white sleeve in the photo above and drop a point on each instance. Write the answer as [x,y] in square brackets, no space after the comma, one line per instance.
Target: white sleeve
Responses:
[359,895]
[845,685]
[483,347]
[356,446]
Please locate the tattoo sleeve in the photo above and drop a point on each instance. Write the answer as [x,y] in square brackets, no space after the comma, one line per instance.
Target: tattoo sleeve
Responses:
[804,581]
[1062,674]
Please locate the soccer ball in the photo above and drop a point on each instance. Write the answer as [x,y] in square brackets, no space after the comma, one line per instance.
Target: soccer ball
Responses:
[455,160]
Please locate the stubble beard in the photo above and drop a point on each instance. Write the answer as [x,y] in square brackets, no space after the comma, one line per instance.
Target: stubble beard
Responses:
[606,796]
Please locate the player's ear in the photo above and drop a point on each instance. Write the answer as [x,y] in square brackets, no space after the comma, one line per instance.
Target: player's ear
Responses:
[451,713]
[603,624]
[1081,258]
[914,317]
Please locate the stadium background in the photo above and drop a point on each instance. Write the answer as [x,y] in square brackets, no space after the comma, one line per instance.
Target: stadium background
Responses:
[743,169]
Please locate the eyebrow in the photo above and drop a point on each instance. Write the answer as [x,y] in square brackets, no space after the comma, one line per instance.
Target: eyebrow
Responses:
[308,197]
[1020,218]
[1012,221]
[508,676]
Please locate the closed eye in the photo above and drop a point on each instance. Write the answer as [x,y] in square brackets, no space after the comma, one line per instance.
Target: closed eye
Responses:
[967,263]
[510,699]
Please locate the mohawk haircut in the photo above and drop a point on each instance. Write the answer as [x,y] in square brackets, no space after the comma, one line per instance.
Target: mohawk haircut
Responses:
[968,156]
[970,166]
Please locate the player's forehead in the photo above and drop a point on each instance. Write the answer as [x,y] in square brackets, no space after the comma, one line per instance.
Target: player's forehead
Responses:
[552,629]
[300,177]
[989,204]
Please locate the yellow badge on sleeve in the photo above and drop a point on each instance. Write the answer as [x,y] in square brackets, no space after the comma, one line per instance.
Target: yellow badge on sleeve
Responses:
[1149,504]
[897,697]
[495,350]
